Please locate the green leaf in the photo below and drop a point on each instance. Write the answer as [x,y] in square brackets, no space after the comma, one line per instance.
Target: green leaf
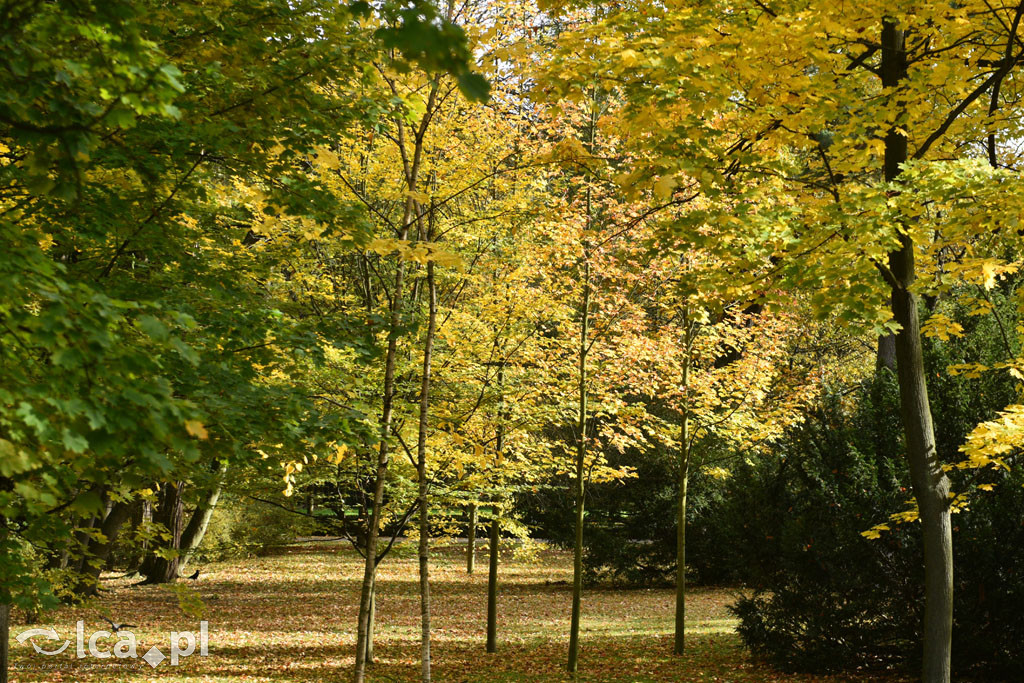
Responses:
[154,327]
[474,86]
[87,503]
[76,443]
[13,460]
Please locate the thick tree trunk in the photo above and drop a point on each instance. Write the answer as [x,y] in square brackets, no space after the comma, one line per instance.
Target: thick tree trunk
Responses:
[421,472]
[139,508]
[471,538]
[98,552]
[197,525]
[930,484]
[81,545]
[171,510]
[581,454]
[931,490]
[885,356]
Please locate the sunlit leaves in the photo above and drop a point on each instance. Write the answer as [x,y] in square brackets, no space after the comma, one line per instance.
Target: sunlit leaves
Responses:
[989,442]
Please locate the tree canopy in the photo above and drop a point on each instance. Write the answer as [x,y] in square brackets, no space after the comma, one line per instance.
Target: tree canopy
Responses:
[377,264]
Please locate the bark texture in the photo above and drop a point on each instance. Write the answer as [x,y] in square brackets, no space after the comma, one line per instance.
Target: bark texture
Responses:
[158,569]
[930,484]
[471,539]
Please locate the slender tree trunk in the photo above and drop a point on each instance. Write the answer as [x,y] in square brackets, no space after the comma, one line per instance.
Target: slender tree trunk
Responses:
[383,457]
[158,569]
[5,598]
[197,525]
[581,454]
[683,481]
[495,530]
[471,538]
[421,472]
[383,454]
[581,446]
[370,622]
[411,169]
[930,484]
[492,582]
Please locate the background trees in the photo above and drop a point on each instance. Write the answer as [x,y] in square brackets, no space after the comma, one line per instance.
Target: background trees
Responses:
[828,105]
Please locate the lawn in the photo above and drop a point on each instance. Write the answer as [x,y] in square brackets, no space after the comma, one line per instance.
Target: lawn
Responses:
[291,617]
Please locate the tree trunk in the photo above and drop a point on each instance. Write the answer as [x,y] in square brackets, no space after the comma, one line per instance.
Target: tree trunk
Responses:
[5,597]
[370,623]
[383,456]
[373,530]
[411,168]
[421,473]
[5,636]
[471,538]
[581,454]
[930,484]
[135,518]
[158,569]
[885,356]
[81,544]
[495,528]
[683,480]
[492,583]
[194,532]
[98,552]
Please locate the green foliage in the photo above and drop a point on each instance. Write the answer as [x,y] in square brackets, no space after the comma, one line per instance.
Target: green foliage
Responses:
[241,528]
[630,537]
[423,36]
[827,598]
[144,328]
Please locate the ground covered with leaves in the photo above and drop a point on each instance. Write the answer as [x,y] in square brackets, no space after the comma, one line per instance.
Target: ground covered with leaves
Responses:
[291,617]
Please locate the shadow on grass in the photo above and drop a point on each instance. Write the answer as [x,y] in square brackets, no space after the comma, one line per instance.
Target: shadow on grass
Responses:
[291,617]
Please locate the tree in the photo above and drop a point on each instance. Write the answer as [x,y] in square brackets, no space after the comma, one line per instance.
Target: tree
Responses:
[609,272]
[825,103]
[132,197]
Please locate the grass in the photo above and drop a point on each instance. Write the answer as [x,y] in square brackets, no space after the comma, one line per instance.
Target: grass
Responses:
[291,617]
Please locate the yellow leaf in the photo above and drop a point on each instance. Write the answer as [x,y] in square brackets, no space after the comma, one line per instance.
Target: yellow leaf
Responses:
[339,453]
[665,185]
[629,58]
[196,429]
[990,269]
[942,326]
